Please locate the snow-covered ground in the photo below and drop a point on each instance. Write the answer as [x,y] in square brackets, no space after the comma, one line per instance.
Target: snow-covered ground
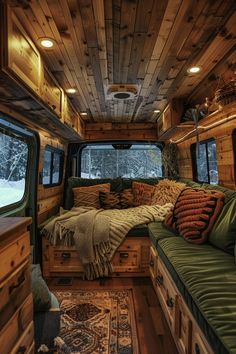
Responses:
[11,192]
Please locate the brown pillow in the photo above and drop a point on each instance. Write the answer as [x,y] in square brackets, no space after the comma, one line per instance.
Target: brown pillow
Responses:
[89,196]
[143,193]
[167,191]
[126,199]
[109,200]
[194,213]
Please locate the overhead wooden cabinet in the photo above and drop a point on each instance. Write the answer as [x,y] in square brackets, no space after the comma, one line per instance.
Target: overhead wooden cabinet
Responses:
[170,119]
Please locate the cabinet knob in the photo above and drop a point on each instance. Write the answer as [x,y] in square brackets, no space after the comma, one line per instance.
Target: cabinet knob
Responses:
[124,255]
[170,302]
[151,263]
[21,350]
[66,255]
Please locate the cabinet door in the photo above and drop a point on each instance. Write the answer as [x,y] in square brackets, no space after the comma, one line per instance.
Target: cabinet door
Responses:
[127,257]
[183,327]
[51,93]
[65,260]
[166,294]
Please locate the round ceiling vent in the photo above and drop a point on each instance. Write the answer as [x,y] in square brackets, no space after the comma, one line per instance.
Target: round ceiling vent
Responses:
[122,92]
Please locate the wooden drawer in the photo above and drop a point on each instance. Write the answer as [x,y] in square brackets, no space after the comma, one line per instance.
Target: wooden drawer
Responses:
[64,260]
[13,291]
[183,327]
[14,254]
[25,343]
[153,263]
[127,257]
[31,349]
[167,294]
[12,331]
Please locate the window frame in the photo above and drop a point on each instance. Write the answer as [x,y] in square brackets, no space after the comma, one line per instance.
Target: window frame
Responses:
[17,132]
[111,142]
[193,148]
[61,154]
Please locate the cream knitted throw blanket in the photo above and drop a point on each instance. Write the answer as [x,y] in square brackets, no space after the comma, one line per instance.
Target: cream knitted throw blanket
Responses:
[98,233]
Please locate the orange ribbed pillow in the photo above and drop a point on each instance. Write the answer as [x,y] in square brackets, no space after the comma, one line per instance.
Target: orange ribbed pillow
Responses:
[195,212]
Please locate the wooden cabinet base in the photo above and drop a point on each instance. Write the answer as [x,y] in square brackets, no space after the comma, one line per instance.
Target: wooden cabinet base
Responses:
[130,259]
[188,336]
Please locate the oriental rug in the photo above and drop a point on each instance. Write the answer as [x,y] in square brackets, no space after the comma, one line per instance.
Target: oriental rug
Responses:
[97,321]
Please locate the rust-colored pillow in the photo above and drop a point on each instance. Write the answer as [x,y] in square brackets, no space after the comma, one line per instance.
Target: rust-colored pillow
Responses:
[143,193]
[167,191]
[194,213]
[109,200]
[89,196]
[126,198]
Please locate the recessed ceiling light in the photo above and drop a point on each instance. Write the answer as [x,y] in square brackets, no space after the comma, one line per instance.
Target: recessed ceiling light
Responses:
[194,69]
[83,113]
[46,42]
[157,111]
[71,90]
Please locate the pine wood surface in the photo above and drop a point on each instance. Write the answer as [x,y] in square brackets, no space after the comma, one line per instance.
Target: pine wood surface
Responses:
[153,332]
[147,43]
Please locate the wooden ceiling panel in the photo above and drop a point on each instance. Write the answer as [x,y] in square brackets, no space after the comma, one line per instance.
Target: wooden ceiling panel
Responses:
[149,43]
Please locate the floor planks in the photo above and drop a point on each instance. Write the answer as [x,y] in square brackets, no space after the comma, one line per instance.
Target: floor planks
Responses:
[153,331]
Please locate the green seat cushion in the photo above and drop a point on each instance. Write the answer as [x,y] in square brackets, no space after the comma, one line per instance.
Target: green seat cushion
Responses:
[206,277]
[40,291]
[73,182]
[157,232]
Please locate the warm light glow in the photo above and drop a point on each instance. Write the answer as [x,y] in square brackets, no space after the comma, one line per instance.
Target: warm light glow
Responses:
[83,113]
[194,70]
[157,111]
[46,42]
[71,90]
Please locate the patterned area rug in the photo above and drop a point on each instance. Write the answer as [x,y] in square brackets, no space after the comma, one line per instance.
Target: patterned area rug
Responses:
[97,321]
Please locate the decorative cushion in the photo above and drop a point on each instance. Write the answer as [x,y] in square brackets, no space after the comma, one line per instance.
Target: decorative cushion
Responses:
[143,193]
[167,191]
[126,199]
[89,196]
[195,212]
[40,291]
[109,200]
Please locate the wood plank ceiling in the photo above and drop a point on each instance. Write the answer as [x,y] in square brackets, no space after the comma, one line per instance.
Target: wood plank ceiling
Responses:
[148,43]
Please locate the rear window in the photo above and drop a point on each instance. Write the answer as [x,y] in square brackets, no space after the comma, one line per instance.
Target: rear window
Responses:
[124,160]
[14,154]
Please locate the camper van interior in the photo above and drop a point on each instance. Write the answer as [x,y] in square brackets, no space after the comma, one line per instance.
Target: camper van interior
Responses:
[118,176]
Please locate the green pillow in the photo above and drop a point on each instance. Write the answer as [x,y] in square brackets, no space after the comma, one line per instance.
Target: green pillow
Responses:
[41,293]
[223,233]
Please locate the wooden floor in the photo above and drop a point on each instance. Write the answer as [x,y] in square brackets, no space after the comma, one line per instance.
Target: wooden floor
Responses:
[153,331]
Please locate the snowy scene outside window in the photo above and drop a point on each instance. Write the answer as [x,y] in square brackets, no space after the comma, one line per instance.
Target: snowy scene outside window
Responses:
[52,166]
[102,161]
[13,167]
[207,170]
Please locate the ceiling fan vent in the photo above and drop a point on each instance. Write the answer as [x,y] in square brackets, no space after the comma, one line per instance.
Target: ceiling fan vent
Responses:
[122,92]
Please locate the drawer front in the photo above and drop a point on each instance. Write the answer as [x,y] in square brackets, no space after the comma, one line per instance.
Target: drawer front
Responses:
[13,292]
[183,328]
[153,263]
[14,254]
[24,344]
[31,349]
[167,295]
[66,260]
[126,261]
[12,331]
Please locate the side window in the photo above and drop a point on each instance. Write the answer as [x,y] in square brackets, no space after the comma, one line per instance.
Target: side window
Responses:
[205,162]
[14,156]
[53,166]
